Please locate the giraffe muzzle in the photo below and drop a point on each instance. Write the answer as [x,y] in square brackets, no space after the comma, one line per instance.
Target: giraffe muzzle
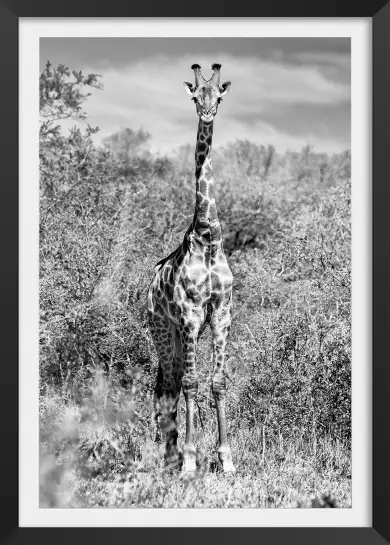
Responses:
[208,114]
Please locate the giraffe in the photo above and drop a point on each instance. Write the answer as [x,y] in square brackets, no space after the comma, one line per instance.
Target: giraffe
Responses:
[192,288]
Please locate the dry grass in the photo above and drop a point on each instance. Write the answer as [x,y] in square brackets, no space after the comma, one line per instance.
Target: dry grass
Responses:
[87,460]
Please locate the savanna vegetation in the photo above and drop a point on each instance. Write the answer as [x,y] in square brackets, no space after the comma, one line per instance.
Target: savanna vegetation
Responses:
[108,213]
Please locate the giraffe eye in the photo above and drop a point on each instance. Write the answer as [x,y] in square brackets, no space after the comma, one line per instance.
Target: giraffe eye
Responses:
[194,99]
[219,99]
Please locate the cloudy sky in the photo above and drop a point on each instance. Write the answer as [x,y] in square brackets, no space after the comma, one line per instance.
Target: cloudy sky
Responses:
[285,91]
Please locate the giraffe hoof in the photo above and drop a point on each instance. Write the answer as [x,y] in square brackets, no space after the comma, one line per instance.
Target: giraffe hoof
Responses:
[189,460]
[174,460]
[225,457]
[228,466]
[189,468]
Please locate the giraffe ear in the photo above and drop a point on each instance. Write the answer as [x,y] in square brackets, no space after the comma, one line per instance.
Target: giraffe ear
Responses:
[225,88]
[189,87]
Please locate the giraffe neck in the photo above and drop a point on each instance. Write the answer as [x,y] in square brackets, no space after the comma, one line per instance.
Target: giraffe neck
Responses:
[205,223]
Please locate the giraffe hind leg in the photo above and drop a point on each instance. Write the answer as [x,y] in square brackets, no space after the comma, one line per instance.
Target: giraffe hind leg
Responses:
[168,386]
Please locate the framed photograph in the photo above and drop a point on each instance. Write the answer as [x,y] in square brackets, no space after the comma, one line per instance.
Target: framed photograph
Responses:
[201,343]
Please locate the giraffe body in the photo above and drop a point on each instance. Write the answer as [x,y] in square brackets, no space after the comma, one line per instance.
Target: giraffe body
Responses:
[192,288]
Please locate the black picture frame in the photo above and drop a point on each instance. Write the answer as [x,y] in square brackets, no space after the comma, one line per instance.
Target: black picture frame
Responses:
[10,11]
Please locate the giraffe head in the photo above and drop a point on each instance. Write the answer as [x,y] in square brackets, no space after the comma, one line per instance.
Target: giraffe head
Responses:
[207,94]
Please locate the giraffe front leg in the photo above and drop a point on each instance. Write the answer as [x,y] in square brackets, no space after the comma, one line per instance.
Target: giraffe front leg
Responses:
[189,333]
[220,328]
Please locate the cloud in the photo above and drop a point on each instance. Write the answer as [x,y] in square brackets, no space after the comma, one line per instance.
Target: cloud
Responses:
[324,57]
[265,134]
[150,94]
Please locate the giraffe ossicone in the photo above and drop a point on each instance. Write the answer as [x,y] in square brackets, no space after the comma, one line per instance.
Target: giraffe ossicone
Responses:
[192,288]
